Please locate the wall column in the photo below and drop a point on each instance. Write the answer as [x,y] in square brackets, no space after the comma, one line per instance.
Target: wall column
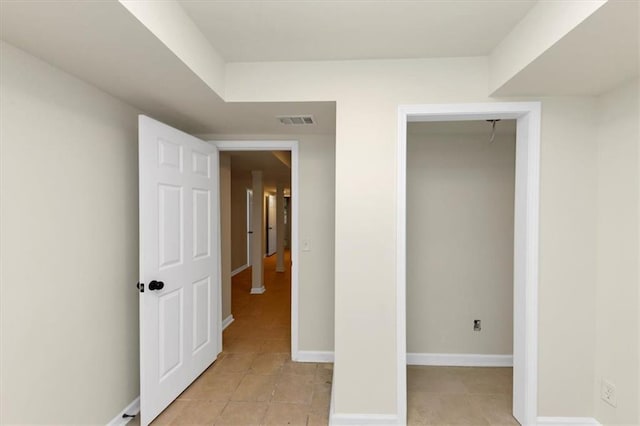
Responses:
[280,231]
[257,253]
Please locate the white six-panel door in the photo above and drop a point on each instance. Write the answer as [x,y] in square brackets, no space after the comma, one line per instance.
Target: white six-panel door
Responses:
[180,327]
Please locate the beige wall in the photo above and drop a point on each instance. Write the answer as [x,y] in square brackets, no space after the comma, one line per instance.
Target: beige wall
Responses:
[460,198]
[69,227]
[617,354]
[225,233]
[368,94]
[239,185]
[316,221]
[566,305]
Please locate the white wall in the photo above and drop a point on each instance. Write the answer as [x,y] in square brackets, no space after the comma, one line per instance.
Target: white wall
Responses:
[566,292]
[69,227]
[367,95]
[316,221]
[460,206]
[618,281]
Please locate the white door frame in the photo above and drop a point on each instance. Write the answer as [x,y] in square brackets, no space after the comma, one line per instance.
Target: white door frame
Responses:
[249,208]
[285,145]
[526,236]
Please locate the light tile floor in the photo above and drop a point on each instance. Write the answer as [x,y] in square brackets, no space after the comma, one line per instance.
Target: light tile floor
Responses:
[459,396]
[254,381]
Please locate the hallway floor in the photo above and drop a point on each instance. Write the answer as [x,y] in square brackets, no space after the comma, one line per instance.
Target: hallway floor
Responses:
[254,381]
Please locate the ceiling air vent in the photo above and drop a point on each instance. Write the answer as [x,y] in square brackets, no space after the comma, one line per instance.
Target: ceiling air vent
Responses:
[296,120]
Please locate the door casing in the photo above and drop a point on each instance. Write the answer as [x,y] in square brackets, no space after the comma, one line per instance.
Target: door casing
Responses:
[526,240]
[292,146]
[249,226]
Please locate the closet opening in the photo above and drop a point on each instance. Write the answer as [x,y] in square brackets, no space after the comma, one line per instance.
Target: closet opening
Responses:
[460,210]
[467,264]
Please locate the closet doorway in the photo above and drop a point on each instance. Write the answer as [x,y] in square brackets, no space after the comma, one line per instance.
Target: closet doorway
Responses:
[525,240]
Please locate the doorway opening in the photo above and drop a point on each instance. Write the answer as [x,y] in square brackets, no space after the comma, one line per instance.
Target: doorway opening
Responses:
[279,192]
[524,243]
[460,206]
[249,209]
[271,226]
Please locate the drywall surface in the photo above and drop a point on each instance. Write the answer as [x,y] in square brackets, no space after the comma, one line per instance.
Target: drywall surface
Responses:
[368,94]
[316,221]
[618,282]
[225,233]
[69,227]
[545,24]
[566,290]
[170,23]
[460,206]
[239,185]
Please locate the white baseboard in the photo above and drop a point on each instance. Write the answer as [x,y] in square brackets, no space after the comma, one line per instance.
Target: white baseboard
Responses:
[227,321]
[564,421]
[460,360]
[258,290]
[238,270]
[313,356]
[337,419]
[133,409]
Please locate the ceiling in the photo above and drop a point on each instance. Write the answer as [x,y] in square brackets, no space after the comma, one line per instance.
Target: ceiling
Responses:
[102,43]
[601,53]
[272,163]
[130,63]
[248,31]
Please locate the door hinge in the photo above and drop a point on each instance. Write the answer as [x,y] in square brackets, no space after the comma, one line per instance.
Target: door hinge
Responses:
[140,287]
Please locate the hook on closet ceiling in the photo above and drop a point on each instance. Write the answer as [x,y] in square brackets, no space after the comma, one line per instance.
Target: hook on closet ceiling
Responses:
[493,129]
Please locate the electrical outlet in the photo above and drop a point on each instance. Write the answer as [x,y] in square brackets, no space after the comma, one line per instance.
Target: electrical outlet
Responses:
[608,393]
[477,325]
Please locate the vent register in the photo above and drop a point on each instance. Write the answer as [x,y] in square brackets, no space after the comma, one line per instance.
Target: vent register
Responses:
[296,120]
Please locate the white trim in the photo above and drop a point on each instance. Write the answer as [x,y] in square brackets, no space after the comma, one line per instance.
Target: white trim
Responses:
[562,421]
[238,270]
[401,266]
[258,290]
[218,284]
[284,145]
[249,212]
[132,409]
[526,240]
[337,419]
[340,419]
[314,356]
[460,360]
[227,321]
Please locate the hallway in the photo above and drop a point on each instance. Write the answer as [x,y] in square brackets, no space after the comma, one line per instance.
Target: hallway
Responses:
[254,381]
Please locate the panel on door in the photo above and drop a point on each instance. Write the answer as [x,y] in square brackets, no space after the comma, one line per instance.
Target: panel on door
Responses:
[180,326]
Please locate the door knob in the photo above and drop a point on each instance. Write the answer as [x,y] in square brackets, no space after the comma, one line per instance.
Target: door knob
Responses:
[156,285]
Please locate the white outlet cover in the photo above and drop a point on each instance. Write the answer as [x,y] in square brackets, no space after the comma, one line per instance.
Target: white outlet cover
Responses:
[608,393]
